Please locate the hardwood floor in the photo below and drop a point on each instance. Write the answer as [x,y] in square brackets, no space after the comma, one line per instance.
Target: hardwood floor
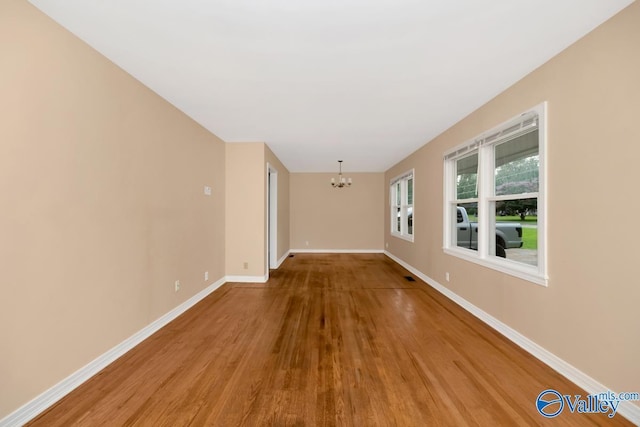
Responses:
[330,340]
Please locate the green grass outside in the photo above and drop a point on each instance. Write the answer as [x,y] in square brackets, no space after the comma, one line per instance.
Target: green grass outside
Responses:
[516,218]
[529,238]
[510,218]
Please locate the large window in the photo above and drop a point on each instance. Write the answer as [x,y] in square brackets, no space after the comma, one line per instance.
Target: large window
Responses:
[401,197]
[495,199]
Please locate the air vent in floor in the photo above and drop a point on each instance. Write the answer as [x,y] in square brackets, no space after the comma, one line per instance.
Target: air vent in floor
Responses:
[409,279]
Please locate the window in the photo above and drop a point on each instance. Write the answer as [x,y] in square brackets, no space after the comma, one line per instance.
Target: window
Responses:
[401,196]
[495,198]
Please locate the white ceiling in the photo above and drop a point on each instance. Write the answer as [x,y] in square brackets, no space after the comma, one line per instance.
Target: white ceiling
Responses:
[364,81]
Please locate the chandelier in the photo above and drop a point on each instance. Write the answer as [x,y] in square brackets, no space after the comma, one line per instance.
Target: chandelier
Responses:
[342,182]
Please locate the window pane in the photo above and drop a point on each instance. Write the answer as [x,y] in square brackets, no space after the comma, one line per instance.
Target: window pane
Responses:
[466,235]
[401,194]
[467,177]
[517,165]
[516,230]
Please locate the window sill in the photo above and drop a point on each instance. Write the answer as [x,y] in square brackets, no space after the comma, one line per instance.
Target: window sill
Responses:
[407,237]
[512,268]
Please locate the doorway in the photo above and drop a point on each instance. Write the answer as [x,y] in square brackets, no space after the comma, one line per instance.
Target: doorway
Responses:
[272,217]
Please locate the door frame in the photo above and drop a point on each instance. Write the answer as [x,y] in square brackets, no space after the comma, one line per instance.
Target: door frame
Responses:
[272,218]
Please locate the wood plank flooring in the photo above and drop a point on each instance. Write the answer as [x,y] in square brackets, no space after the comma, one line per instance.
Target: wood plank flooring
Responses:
[330,340]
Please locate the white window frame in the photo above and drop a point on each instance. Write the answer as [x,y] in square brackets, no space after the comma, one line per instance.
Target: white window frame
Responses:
[404,205]
[484,145]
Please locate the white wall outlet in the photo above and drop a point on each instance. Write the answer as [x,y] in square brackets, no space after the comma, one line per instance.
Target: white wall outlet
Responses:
[306,243]
[176,286]
[446,276]
[245,265]
[206,275]
[386,245]
[207,190]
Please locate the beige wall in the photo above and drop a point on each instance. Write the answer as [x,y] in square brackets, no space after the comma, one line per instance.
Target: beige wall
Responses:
[246,204]
[103,205]
[329,218]
[588,315]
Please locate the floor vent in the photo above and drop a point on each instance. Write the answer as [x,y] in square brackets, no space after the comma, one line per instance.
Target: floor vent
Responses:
[409,279]
[291,256]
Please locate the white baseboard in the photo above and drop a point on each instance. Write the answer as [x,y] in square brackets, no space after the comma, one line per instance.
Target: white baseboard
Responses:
[337,251]
[247,279]
[627,409]
[281,260]
[40,403]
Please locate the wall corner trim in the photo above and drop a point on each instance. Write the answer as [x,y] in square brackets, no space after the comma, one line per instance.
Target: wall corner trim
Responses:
[281,260]
[627,409]
[246,279]
[40,403]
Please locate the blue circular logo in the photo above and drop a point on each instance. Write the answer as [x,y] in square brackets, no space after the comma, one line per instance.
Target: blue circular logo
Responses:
[549,403]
